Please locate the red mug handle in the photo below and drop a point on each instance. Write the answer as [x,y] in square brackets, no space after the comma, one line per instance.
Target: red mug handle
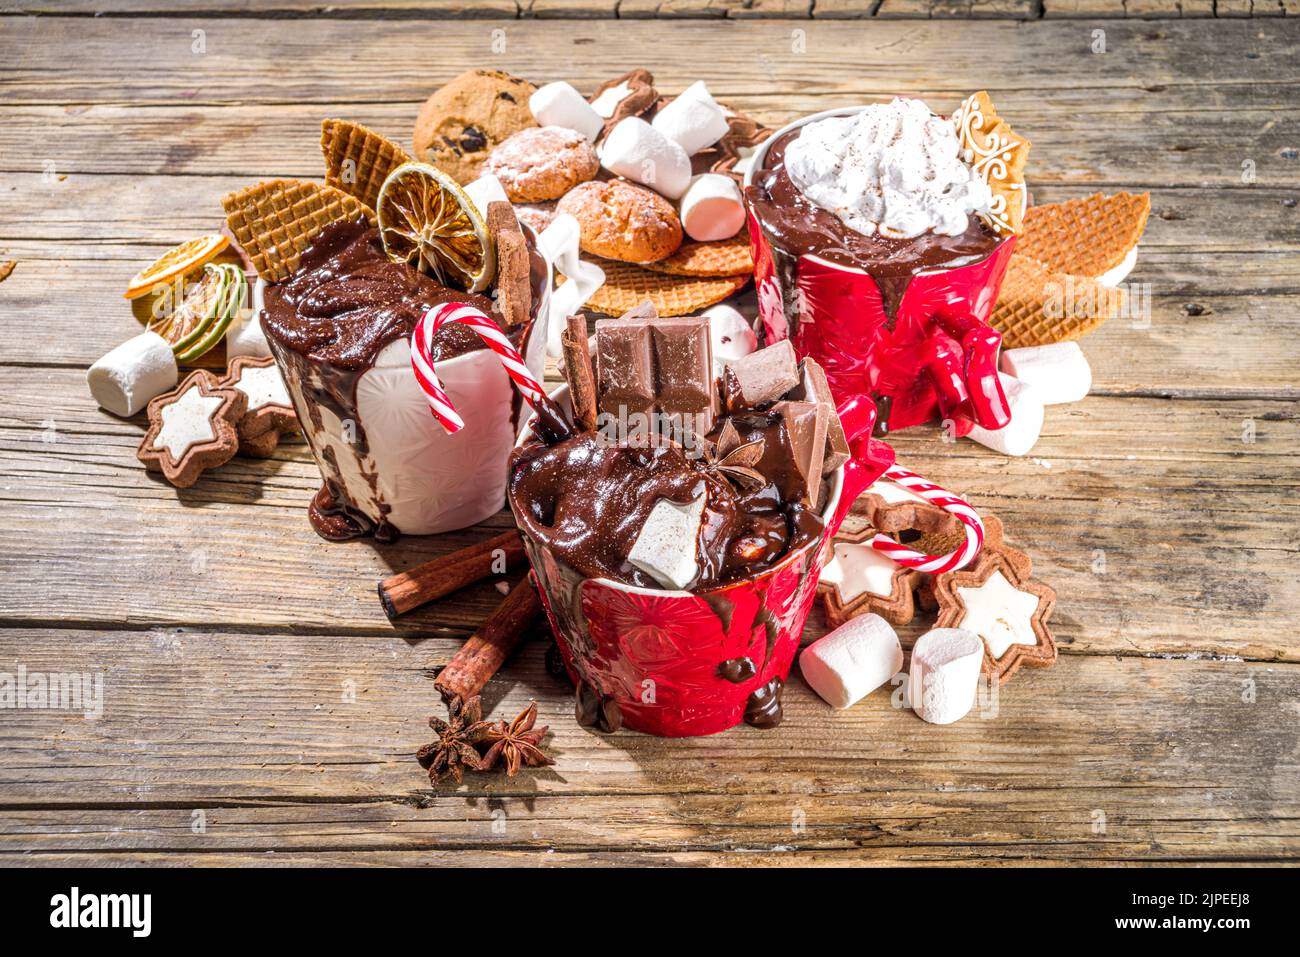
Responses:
[966,377]
[868,457]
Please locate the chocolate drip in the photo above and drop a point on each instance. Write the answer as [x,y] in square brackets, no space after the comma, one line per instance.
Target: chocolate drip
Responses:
[763,709]
[595,710]
[796,226]
[737,670]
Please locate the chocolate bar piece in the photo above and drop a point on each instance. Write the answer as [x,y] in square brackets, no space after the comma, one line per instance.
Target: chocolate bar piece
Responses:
[805,425]
[813,387]
[646,364]
[514,288]
[765,375]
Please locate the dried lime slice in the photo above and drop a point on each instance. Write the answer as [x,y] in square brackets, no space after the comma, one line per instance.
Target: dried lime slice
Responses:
[232,300]
[426,219]
[186,324]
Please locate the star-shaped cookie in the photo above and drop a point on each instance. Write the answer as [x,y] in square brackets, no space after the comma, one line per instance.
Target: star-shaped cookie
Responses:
[192,428]
[996,599]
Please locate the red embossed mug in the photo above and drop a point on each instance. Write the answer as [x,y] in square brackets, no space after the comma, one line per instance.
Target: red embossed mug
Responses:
[937,359]
[663,656]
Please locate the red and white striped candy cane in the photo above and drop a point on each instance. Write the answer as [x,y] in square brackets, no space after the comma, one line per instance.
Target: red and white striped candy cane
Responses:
[422,361]
[949,503]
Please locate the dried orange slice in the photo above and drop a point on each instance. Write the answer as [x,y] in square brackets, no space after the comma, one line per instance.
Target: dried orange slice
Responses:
[186,325]
[185,258]
[426,219]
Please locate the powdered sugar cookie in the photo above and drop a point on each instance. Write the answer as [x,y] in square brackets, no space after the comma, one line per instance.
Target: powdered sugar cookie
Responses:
[543,163]
[623,221]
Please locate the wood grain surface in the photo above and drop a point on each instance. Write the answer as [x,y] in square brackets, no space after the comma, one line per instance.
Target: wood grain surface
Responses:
[259,708]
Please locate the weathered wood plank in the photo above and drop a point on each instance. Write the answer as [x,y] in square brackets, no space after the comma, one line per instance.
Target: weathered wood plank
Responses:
[1161,529]
[285,62]
[1144,138]
[1153,9]
[958,9]
[304,743]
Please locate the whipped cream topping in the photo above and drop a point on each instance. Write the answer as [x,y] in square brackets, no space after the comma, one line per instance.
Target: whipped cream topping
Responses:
[894,169]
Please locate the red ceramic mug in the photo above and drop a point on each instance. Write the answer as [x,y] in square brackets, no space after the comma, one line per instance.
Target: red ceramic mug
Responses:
[673,661]
[938,359]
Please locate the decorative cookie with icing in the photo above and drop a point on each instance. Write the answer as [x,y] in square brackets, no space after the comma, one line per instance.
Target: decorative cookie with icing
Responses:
[996,600]
[998,155]
[193,428]
[269,412]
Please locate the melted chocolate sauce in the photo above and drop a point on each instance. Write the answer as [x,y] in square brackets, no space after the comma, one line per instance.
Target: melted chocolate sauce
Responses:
[327,324]
[796,226]
[587,500]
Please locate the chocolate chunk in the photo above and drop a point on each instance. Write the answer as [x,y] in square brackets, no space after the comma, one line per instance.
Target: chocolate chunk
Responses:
[513,281]
[806,424]
[813,387]
[767,374]
[646,364]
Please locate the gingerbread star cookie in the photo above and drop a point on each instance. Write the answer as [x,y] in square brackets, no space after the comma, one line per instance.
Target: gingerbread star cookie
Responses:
[269,411]
[192,428]
[998,154]
[858,579]
[996,599]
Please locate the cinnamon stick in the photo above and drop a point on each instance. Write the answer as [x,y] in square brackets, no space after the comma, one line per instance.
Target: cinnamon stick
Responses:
[489,647]
[578,372]
[425,583]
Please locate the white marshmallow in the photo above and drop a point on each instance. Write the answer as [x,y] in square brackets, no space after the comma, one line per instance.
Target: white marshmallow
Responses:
[124,380]
[694,119]
[712,208]
[559,104]
[1057,372]
[245,337]
[1113,277]
[944,674]
[665,548]
[484,190]
[608,102]
[636,150]
[852,661]
[731,333]
[1026,424]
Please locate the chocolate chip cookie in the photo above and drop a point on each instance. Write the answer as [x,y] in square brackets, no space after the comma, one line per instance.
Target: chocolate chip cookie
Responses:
[462,122]
[542,163]
[622,221]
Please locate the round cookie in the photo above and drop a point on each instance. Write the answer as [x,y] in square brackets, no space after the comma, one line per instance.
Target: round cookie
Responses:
[623,221]
[462,122]
[542,163]
[535,215]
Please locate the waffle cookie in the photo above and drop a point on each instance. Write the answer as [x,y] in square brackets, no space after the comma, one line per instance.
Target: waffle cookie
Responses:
[627,285]
[1038,306]
[727,257]
[358,160]
[1085,237]
[275,221]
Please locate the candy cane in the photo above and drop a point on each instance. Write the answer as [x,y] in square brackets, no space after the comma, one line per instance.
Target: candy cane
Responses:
[422,361]
[949,503]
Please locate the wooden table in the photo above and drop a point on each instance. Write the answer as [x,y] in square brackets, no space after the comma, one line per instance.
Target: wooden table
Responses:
[259,708]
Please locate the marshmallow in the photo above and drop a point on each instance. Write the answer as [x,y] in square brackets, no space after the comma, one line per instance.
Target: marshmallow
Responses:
[636,150]
[665,547]
[712,208]
[485,190]
[129,376]
[559,104]
[694,119]
[944,674]
[892,168]
[1058,372]
[852,661]
[731,334]
[245,337]
[1020,434]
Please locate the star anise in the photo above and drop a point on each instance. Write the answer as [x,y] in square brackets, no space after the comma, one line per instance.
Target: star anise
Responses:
[734,460]
[516,744]
[456,747]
